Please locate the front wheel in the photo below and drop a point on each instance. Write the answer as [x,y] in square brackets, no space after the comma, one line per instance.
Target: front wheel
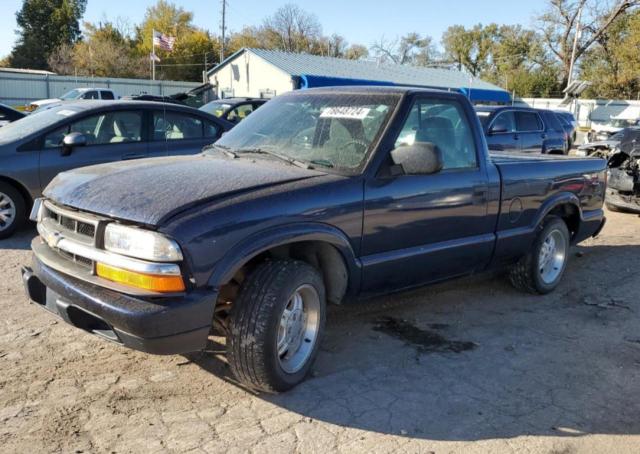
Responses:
[276,324]
[541,270]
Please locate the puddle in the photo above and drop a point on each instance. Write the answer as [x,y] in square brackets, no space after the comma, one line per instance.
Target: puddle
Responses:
[423,340]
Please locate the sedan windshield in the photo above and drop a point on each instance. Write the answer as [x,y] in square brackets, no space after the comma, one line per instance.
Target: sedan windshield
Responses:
[216,108]
[331,130]
[35,122]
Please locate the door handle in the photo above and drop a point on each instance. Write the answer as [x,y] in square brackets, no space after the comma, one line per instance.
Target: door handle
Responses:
[515,137]
[479,195]
[133,156]
[543,135]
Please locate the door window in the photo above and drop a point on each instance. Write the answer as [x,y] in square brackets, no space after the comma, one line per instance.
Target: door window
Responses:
[111,127]
[211,130]
[528,121]
[106,94]
[90,95]
[443,123]
[240,113]
[176,126]
[504,122]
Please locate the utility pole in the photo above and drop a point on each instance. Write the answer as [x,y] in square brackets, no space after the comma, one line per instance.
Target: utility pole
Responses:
[223,28]
[575,44]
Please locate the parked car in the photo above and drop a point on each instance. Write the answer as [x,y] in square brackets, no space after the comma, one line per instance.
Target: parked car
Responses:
[322,195]
[622,151]
[104,94]
[233,109]
[626,138]
[569,123]
[523,129]
[9,115]
[196,97]
[603,130]
[38,147]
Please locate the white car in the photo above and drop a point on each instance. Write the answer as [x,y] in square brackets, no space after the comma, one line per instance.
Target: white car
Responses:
[602,131]
[76,94]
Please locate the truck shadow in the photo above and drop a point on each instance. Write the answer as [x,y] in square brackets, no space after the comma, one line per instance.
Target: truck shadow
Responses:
[482,361]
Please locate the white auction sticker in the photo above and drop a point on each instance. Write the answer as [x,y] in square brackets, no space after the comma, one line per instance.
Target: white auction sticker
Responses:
[66,113]
[356,113]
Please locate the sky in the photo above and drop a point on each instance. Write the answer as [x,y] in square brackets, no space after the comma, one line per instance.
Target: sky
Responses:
[359,21]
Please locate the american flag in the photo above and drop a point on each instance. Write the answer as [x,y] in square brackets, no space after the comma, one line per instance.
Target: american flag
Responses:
[164,42]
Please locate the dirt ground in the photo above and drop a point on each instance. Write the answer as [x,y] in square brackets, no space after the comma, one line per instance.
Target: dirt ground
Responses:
[464,367]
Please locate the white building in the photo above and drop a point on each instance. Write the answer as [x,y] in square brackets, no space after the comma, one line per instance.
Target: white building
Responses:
[263,73]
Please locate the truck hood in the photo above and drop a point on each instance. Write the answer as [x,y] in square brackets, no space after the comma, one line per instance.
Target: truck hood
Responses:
[149,191]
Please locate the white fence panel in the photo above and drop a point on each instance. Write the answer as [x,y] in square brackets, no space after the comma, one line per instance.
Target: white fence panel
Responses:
[21,89]
[589,110]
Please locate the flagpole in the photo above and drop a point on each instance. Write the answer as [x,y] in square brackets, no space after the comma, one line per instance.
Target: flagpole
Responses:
[153,54]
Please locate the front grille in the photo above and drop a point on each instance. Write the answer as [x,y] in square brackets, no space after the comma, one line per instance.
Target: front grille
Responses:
[69,224]
[86,229]
[75,226]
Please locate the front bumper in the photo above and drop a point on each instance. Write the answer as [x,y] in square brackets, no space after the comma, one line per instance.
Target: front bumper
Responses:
[160,326]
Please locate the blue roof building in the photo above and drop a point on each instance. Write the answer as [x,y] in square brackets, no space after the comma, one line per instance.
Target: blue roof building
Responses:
[265,73]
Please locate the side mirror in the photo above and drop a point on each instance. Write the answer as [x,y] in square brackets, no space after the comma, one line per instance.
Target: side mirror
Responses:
[498,129]
[72,140]
[421,158]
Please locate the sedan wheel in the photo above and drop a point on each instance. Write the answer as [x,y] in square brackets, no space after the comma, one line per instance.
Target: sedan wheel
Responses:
[7,211]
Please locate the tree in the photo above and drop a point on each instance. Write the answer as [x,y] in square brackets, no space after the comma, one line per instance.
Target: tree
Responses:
[105,51]
[612,65]
[291,29]
[192,47]
[410,49]
[45,25]
[559,24]
[470,49]
[356,52]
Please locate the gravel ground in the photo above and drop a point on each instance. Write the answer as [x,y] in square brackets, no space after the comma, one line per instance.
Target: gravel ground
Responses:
[468,366]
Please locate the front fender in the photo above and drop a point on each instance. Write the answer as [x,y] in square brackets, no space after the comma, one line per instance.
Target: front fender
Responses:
[264,240]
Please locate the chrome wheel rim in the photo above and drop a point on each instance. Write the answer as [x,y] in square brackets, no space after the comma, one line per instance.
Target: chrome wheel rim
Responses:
[298,329]
[553,254]
[7,211]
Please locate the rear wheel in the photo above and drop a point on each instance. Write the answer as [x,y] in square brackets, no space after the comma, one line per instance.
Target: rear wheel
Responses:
[541,270]
[276,324]
[12,210]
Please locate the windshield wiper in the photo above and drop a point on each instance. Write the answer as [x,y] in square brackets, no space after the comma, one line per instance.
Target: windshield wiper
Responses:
[322,162]
[284,158]
[226,150]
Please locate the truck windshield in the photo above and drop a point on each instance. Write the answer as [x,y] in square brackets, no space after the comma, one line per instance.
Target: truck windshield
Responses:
[331,130]
[73,94]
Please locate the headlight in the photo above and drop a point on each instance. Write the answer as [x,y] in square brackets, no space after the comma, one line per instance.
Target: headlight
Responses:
[141,244]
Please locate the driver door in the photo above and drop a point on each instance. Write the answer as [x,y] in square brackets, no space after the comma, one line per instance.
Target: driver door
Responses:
[502,134]
[423,228]
[111,136]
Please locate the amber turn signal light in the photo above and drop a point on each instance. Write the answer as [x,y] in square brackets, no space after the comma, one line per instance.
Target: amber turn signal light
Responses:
[152,282]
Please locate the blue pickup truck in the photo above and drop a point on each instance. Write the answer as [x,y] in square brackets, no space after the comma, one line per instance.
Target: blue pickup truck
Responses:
[320,196]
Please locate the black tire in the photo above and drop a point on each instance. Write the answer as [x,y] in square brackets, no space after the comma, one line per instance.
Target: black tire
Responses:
[255,318]
[10,193]
[525,274]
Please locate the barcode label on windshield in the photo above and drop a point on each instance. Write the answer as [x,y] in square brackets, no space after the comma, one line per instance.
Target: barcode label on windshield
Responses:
[356,113]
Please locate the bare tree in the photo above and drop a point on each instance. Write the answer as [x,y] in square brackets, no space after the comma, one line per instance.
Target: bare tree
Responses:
[559,25]
[295,29]
[411,48]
